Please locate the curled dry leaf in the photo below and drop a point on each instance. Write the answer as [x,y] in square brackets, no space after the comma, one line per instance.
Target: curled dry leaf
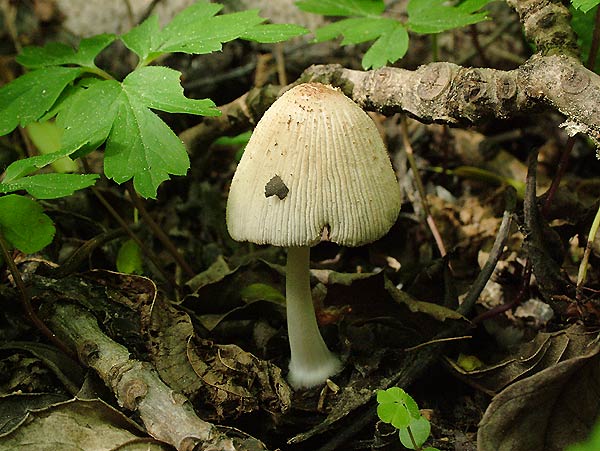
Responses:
[546,411]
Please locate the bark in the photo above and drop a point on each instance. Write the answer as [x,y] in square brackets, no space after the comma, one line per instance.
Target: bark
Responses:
[167,415]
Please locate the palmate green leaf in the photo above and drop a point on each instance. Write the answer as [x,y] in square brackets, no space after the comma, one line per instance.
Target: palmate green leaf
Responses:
[272,33]
[58,54]
[139,144]
[342,7]
[50,186]
[435,16]
[585,5]
[24,225]
[30,96]
[390,47]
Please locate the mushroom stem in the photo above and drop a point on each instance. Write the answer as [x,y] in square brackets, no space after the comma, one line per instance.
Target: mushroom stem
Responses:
[311,362]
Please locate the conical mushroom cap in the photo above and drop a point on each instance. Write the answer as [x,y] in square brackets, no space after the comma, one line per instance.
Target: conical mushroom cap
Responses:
[315,161]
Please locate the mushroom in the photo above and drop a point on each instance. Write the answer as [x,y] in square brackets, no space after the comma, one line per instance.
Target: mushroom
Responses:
[315,168]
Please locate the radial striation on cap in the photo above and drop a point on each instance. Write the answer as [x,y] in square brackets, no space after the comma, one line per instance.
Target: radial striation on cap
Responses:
[315,161]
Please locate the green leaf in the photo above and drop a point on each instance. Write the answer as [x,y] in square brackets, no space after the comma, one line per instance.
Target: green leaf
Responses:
[396,407]
[57,54]
[435,16]
[129,258]
[159,88]
[342,7]
[141,146]
[46,137]
[88,116]
[585,5]
[24,225]
[21,168]
[143,38]
[262,292]
[368,29]
[271,33]
[50,186]
[390,47]
[30,96]
[420,428]
[335,29]
[200,32]
[583,25]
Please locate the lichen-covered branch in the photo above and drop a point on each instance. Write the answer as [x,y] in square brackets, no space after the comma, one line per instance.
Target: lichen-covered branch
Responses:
[547,25]
[167,415]
[447,93]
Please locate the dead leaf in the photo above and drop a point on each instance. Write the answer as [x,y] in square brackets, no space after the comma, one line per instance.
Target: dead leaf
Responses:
[75,425]
[546,411]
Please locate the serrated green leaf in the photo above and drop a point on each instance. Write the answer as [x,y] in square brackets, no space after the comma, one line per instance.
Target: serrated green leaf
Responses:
[271,33]
[143,38]
[420,428]
[30,96]
[129,258]
[159,87]
[335,29]
[206,34]
[435,16]
[390,47]
[141,146]
[50,186]
[585,5]
[57,54]
[24,225]
[88,116]
[368,29]
[342,7]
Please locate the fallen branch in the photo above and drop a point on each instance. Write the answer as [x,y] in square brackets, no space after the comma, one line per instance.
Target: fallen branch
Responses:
[167,415]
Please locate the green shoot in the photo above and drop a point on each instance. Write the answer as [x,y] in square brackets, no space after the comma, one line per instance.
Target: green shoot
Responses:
[399,409]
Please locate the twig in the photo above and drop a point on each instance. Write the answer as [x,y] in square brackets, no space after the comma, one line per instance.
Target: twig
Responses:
[158,232]
[413,164]
[26,301]
[168,416]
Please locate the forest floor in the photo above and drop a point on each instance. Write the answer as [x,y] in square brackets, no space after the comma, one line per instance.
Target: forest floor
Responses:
[522,367]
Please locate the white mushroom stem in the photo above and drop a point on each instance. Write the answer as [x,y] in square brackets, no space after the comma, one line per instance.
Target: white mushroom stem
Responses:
[311,362]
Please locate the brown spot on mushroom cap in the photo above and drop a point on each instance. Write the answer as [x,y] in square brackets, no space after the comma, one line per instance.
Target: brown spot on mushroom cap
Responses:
[334,164]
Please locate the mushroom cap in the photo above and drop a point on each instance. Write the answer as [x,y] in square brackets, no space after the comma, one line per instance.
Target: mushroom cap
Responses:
[315,165]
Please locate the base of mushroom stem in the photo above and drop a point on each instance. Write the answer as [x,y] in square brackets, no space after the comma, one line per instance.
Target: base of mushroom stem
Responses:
[306,378]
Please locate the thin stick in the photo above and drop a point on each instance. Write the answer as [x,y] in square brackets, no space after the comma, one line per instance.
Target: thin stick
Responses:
[158,232]
[26,301]
[145,249]
[413,165]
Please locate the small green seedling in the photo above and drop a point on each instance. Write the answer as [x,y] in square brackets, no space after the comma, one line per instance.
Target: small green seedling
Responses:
[399,409]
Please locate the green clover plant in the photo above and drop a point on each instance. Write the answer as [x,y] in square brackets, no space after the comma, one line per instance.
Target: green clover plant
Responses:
[399,409]
[364,22]
[92,109]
